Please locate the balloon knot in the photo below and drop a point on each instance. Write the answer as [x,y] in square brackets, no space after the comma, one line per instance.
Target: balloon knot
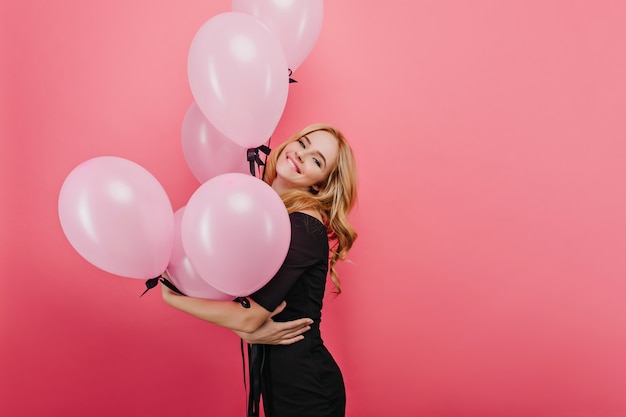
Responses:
[253,158]
[150,284]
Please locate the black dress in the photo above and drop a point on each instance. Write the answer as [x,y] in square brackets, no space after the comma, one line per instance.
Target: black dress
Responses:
[302,379]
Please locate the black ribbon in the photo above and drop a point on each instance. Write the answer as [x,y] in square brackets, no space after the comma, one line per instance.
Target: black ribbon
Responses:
[291,80]
[254,158]
[153,282]
[256,359]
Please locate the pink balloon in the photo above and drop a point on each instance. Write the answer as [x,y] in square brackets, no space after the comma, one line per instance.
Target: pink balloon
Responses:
[118,217]
[207,151]
[182,273]
[296,23]
[236,232]
[238,76]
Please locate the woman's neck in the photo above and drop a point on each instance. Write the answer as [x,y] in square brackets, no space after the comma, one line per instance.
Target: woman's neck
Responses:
[280,186]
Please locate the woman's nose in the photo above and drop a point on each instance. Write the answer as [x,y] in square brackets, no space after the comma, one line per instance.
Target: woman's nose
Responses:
[298,156]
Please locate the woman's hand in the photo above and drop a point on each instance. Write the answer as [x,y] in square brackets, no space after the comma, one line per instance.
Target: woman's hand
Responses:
[277,333]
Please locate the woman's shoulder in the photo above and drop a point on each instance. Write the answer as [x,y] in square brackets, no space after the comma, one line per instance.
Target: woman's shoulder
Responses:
[310,213]
[309,221]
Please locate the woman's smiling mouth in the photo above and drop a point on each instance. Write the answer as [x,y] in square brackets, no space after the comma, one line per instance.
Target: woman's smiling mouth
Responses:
[292,164]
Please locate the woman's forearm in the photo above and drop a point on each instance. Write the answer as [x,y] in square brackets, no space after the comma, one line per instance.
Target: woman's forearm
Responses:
[227,314]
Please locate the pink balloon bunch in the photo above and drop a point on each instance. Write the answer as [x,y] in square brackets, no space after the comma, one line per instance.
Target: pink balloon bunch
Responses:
[233,234]
[236,233]
[118,217]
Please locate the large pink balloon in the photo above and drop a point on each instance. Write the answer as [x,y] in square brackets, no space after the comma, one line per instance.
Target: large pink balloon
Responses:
[182,273]
[236,232]
[238,76]
[208,151]
[118,217]
[296,23]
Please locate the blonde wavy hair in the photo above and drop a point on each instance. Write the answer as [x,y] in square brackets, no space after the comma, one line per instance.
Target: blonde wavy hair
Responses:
[334,200]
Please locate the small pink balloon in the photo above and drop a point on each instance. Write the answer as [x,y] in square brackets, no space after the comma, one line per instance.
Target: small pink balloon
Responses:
[239,77]
[208,151]
[118,217]
[296,23]
[236,233]
[182,273]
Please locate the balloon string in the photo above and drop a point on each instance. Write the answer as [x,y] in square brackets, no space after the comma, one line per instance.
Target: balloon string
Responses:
[291,80]
[171,286]
[269,142]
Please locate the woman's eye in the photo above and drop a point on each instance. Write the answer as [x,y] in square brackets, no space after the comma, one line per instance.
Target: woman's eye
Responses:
[317,162]
[301,142]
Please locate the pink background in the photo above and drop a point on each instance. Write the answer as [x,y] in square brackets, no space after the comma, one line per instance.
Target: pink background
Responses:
[489,276]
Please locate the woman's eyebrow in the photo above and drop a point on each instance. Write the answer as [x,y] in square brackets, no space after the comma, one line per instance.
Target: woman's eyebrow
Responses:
[321,156]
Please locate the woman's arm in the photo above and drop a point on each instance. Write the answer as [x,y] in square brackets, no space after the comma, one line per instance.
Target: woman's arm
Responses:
[227,314]
[277,333]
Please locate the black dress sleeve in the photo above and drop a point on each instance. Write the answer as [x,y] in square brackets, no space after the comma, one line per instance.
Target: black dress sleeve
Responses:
[308,247]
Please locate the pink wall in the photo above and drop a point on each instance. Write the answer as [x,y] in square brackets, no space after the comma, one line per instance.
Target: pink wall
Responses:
[488,279]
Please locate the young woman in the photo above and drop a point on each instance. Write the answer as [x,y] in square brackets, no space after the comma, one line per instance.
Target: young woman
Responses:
[315,174]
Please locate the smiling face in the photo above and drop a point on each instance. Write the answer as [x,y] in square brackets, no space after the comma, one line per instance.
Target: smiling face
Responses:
[306,162]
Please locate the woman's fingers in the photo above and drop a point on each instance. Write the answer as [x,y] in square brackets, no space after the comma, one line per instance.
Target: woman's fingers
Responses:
[291,341]
[296,333]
